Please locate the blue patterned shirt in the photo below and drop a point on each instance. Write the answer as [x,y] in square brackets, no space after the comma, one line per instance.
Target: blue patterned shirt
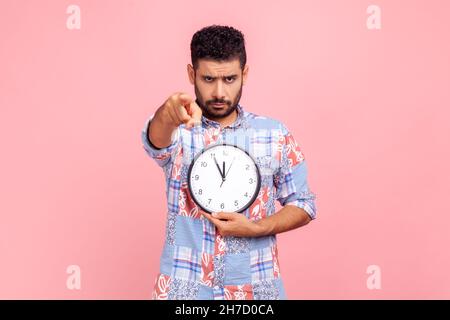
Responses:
[196,261]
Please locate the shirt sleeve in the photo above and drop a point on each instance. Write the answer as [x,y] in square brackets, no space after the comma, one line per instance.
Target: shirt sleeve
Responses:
[290,179]
[162,156]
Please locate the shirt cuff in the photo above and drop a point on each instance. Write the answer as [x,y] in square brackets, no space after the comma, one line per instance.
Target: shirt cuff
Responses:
[161,155]
[308,207]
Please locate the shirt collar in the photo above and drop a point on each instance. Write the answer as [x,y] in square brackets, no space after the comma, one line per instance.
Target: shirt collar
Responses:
[240,120]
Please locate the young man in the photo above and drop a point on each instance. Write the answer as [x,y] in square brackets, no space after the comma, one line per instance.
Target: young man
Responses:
[224,255]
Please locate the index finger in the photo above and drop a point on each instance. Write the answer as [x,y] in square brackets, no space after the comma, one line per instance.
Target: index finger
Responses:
[184,100]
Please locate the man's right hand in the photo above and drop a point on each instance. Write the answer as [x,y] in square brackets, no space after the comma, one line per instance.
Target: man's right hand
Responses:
[179,108]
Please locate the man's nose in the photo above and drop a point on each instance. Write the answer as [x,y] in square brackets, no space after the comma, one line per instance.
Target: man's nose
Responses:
[218,92]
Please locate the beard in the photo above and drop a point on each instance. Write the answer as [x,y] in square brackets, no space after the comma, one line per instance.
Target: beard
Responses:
[210,112]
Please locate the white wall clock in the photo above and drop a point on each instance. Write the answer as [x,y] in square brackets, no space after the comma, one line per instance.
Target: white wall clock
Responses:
[223,177]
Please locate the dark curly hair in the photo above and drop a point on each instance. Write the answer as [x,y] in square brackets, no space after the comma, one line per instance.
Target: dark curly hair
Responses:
[220,43]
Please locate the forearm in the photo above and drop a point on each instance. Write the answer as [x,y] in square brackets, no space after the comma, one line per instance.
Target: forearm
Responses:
[287,218]
[160,130]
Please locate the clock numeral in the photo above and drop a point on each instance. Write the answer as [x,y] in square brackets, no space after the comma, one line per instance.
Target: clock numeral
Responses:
[196,177]
[235,202]
[204,164]
[250,180]
[212,155]
[222,206]
[209,201]
[199,191]
[246,194]
[247,167]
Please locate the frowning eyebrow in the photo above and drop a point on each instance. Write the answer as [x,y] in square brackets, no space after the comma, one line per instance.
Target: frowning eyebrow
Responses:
[224,77]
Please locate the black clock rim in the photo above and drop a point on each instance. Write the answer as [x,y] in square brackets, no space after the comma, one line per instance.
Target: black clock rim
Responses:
[258,176]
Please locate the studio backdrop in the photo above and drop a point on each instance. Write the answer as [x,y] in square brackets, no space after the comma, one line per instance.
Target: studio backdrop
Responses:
[364,86]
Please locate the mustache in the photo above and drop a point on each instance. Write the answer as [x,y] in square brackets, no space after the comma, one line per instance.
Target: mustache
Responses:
[218,101]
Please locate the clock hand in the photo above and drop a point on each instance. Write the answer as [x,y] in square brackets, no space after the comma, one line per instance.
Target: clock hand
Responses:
[227,172]
[223,177]
[223,170]
[221,174]
[229,167]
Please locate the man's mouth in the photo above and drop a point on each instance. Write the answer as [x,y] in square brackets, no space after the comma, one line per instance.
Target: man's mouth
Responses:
[218,105]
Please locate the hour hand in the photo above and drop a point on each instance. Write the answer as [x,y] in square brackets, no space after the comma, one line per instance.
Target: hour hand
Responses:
[222,174]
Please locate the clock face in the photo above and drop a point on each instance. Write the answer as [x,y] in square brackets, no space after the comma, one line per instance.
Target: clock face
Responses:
[223,177]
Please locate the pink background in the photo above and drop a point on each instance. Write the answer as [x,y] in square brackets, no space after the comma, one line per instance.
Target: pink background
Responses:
[369,108]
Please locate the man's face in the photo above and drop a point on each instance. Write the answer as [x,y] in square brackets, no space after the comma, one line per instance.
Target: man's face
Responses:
[218,86]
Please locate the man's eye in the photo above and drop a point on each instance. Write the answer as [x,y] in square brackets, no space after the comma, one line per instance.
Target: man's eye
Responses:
[208,79]
[229,80]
